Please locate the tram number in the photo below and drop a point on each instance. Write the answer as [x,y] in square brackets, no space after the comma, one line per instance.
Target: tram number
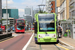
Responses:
[46,35]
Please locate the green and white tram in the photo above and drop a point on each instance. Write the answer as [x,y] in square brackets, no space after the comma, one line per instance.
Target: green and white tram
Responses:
[45,28]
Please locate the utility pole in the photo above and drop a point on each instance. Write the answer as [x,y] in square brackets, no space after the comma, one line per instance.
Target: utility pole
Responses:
[7,18]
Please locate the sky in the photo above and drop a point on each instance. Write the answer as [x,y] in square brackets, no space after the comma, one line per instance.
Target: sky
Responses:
[21,4]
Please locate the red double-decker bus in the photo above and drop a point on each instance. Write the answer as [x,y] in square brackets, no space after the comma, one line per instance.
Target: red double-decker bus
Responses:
[20,25]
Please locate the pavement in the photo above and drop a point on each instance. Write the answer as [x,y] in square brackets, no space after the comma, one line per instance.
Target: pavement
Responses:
[67,41]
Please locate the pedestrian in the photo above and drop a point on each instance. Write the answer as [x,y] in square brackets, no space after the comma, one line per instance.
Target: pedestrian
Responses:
[59,31]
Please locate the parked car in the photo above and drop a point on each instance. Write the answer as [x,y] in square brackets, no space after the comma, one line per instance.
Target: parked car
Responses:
[13,29]
[1,30]
[9,29]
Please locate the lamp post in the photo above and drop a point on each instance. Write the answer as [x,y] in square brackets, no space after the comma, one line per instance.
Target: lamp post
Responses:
[7,17]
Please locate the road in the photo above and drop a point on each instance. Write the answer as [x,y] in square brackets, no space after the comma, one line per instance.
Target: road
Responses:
[16,43]
[19,40]
[34,46]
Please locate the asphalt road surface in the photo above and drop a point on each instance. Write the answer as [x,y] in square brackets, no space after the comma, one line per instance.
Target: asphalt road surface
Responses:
[34,46]
[17,42]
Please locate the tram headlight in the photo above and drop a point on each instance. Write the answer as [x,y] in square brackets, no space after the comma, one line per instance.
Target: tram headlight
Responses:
[54,35]
[40,36]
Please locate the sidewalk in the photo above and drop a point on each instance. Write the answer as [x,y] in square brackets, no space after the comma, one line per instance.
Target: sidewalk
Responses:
[68,41]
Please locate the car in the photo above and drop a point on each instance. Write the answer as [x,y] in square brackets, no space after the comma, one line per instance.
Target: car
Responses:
[9,29]
[13,28]
[1,30]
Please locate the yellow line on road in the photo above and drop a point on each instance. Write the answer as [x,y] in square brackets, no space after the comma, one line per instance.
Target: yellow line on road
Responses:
[6,40]
[62,47]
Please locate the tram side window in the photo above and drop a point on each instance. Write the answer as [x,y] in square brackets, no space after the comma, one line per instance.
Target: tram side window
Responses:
[35,27]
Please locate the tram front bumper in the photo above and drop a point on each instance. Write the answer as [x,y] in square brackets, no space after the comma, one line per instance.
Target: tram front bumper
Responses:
[46,39]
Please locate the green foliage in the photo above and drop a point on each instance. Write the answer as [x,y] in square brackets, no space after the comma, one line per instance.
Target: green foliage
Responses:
[63,20]
[2,20]
[40,11]
[45,12]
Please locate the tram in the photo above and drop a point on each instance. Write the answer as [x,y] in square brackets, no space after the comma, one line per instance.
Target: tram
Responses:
[45,28]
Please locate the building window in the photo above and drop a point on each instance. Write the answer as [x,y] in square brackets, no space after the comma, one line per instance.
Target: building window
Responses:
[73,13]
[72,5]
[50,5]
[52,8]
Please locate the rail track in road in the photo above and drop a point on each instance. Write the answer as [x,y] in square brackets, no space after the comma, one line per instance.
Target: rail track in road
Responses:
[57,47]
[40,46]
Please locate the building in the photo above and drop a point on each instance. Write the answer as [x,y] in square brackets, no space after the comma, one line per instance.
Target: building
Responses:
[50,6]
[0,9]
[13,13]
[63,9]
[28,16]
[34,12]
[58,5]
[72,9]
[28,11]
[11,21]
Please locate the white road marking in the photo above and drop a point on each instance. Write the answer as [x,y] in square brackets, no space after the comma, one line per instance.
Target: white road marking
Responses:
[24,48]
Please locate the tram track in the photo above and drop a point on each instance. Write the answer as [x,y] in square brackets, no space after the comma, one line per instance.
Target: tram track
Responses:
[57,47]
[40,46]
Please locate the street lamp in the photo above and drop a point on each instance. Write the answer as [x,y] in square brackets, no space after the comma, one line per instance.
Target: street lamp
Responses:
[7,18]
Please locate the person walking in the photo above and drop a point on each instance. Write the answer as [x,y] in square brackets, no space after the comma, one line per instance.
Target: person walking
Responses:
[59,31]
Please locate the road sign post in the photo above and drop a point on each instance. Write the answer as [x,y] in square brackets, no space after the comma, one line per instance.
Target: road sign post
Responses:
[7,16]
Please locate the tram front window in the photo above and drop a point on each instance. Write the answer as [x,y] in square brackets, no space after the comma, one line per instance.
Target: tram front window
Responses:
[46,22]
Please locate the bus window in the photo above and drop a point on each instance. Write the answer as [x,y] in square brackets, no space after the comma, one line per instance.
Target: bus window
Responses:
[20,21]
[20,27]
